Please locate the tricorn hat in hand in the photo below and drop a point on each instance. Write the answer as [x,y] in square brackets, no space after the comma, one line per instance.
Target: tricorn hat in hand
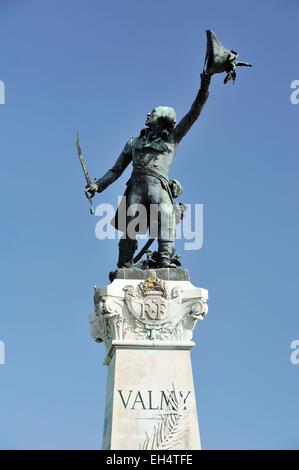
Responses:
[219,59]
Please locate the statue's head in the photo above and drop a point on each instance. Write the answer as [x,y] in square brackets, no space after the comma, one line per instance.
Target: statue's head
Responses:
[161,117]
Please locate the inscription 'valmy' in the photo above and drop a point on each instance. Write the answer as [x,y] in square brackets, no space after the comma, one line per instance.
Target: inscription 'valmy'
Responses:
[151,400]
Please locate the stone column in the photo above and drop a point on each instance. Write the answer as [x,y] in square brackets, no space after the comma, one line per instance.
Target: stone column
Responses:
[146,319]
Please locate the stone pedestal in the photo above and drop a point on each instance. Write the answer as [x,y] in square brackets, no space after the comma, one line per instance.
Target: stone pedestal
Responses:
[146,320]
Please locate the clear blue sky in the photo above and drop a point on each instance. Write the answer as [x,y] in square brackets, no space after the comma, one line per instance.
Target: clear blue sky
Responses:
[100,67]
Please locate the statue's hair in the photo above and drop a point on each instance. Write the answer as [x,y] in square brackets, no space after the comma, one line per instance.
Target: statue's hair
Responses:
[166,113]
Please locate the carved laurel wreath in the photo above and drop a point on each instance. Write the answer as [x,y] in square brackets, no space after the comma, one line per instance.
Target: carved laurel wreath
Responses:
[171,431]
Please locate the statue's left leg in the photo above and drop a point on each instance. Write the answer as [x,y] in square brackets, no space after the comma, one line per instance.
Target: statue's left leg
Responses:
[162,207]
[165,253]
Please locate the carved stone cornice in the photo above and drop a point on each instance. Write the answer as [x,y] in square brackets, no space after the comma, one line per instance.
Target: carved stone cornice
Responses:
[150,310]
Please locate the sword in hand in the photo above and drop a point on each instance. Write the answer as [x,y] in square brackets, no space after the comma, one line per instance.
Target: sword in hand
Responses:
[90,188]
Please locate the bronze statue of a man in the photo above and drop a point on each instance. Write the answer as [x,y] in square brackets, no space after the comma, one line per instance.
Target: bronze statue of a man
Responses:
[152,154]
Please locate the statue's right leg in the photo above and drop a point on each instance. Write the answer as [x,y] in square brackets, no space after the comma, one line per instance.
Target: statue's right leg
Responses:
[127,248]
[128,243]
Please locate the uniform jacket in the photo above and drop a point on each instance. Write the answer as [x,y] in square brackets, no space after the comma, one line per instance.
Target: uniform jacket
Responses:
[153,154]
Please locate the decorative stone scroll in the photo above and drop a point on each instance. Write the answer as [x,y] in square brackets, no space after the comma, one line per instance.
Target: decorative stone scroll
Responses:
[153,309]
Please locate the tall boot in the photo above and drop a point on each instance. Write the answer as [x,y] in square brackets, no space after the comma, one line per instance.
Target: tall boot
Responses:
[165,253]
[127,249]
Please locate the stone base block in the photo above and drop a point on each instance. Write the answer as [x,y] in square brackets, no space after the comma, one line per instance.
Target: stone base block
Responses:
[150,402]
[146,321]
